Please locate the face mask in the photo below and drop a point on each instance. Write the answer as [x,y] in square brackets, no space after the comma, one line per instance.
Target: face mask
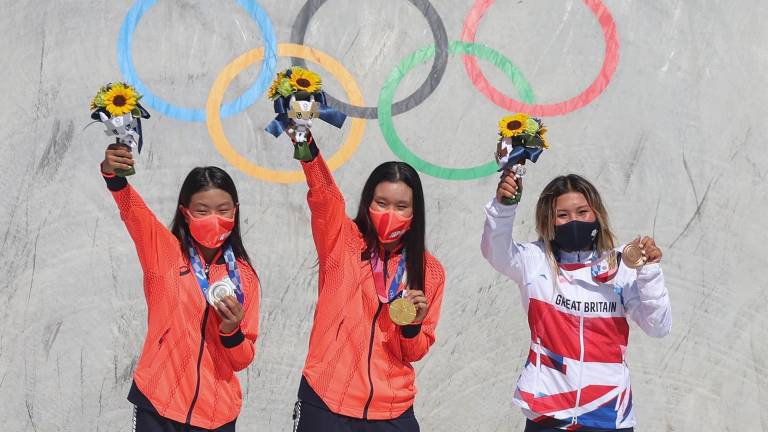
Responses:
[389,225]
[576,235]
[210,231]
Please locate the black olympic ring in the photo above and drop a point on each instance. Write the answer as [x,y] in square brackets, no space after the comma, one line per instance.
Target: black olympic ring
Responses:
[435,76]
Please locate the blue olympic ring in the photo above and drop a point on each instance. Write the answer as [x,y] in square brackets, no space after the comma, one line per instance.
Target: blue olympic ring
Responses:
[125,60]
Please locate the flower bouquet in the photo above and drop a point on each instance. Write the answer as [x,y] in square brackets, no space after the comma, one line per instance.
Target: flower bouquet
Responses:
[521,138]
[116,105]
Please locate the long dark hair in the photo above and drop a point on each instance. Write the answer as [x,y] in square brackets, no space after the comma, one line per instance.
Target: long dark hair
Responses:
[413,239]
[199,179]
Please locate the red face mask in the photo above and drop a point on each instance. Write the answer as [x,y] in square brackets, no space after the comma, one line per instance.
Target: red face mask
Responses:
[210,231]
[390,226]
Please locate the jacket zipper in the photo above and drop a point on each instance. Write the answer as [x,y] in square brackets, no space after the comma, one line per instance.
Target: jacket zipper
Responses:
[370,342]
[199,358]
[199,361]
[575,418]
[370,354]
[538,367]
[623,381]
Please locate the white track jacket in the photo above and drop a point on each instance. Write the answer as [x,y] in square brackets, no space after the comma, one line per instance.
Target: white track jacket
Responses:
[576,375]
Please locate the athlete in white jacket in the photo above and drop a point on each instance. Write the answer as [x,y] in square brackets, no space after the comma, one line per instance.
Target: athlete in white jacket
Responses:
[577,295]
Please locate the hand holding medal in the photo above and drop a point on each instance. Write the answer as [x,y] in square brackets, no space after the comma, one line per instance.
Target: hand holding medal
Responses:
[298,99]
[405,306]
[231,313]
[226,296]
[410,308]
[116,105]
[521,138]
[219,290]
[640,252]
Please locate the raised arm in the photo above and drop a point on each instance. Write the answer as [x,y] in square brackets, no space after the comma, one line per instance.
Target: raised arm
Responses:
[153,240]
[326,204]
[498,246]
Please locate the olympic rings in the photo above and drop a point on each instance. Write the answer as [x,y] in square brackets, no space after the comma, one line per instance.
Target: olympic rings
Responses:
[125,60]
[214,111]
[426,88]
[610,62]
[390,86]
[215,97]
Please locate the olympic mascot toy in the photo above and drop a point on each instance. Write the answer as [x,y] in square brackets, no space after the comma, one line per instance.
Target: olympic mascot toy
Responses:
[299,99]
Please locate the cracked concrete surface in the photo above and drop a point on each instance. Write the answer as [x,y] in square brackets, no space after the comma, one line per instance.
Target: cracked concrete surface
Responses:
[675,144]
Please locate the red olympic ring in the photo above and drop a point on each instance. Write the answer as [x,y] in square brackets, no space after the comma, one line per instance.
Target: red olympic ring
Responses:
[610,61]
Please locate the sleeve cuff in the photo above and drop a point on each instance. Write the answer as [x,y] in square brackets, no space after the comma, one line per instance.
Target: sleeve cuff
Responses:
[313,150]
[410,331]
[496,209]
[649,271]
[114,183]
[313,147]
[650,282]
[233,339]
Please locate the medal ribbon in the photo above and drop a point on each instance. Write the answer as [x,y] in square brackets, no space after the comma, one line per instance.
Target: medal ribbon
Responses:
[610,269]
[599,273]
[377,266]
[202,279]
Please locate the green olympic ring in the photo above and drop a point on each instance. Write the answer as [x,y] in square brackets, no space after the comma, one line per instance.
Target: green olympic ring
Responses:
[422,56]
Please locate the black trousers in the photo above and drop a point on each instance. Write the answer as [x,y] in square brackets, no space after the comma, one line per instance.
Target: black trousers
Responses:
[531,426]
[147,419]
[311,414]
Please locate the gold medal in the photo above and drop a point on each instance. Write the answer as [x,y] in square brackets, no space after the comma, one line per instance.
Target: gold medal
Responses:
[402,311]
[632,256]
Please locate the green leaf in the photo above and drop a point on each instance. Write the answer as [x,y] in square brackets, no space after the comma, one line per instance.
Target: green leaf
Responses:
[524,139]
[535,141]
[285,88]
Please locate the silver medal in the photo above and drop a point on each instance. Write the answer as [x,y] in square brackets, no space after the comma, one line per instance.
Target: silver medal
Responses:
[219,290]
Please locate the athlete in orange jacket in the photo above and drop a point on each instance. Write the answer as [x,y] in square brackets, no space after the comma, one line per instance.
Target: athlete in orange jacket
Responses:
[358,373]
[186,373]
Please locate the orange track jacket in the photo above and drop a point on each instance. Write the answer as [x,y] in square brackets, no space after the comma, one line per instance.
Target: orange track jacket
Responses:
[359,361]
[187,368]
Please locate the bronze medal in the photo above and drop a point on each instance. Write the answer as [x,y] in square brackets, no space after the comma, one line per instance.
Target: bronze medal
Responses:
[402,311]
[632,256]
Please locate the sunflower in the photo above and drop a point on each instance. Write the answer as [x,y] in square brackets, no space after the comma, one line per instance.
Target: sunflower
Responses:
[513,125]
[120,99]
[272,92]
[542,135]
[305,80]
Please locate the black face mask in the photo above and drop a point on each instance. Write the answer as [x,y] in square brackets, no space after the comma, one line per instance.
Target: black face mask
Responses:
[576,235]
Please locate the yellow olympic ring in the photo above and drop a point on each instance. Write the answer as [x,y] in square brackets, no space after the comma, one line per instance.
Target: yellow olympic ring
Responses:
[216,97]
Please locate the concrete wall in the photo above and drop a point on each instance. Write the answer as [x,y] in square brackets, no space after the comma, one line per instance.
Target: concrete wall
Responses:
[675,144]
